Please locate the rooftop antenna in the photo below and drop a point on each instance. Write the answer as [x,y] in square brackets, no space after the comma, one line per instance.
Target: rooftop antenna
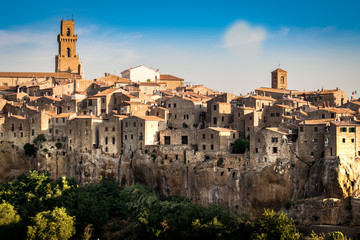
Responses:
[278,63]
[72,16]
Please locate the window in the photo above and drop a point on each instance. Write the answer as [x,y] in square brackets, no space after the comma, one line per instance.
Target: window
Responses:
[234,136]
[343,140]
[258,139]
[204,147]
[103,100]
[106,129]
[68,108]
[113,129]
[106,140]
[212,136]
[175,116]
[90,102]
[56,120]
[352,140]
[275,150]
[212,147]
[274,139]
[174,105]
[214,107]
[21,127]
[256,150]
[282,79]
[68,52]
[215,120]
[166,156]
[113,140]
[169,105]
[56,131]
[301,129]
[63,120]
[332,115]
[134,124]
[352,129]
[132,136]
[278,114]
[167,140]
[14,134]
[86,132]
[222,119]
[176,157]
[68,32]
[315,129]
[126,124]
[343,129]
[312,154]
[21,134]
[204,136]
[106,149]
[315,140]
[125,137]
[184,139]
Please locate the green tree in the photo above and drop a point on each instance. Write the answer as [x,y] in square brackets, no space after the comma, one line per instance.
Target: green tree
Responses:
[10,226]
[56,224]
[39,138]
[240,145]
[337,236]
[58,145]
[30,150]
[275,226]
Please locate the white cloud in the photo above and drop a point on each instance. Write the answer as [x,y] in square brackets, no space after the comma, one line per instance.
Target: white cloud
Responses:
[244,41]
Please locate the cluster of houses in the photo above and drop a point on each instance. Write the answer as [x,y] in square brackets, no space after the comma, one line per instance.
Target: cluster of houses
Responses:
[114,114]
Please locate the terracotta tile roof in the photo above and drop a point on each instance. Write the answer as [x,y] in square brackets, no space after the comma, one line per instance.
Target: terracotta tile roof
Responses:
[52,98]
[167,77]
[32,108]
[18,117]
[280,130]
[274,90]
[148,84]
[87,117]
[7,88]
[284,106]
[316,121]
[53,114]
[279,70]
[61,115]
[106,92]
[262,98]
[38,75]
[150,118]
[339,110]
[346,123]
[222,129]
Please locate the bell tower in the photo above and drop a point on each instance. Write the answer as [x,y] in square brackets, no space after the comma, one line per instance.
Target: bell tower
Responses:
[279,79]
[67,60]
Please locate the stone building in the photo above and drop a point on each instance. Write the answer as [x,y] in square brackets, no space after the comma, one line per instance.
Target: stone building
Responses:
[219,114]
[342,139]
[171,82]
[139,131]
[82,133]
[17,130]
[270,145]
[239,119]
[110,136]
[141,74]
[58,126]
[310,142]
[216,140]
[184,110]
[183,136]
[67,60]
[279,79]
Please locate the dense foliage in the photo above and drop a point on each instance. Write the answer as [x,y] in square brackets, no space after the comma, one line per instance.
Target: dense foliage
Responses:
[59,209]
[240,145]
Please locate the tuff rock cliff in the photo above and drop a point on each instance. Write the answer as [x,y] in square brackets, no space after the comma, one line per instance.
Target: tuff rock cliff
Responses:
[325,192]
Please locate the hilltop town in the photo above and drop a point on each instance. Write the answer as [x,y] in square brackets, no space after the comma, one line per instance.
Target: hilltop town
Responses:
[144,114]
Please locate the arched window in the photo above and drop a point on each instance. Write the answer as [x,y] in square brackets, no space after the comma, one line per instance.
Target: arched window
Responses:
[68,52]
[282,79]
[68,32]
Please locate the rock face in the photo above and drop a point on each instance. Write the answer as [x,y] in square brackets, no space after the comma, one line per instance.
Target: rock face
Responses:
[323,193]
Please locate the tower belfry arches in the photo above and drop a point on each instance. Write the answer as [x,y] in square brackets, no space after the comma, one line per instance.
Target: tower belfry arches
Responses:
[67,60]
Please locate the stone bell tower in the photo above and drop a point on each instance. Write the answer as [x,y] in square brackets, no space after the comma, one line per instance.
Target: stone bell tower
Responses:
[279,79]
[67,60]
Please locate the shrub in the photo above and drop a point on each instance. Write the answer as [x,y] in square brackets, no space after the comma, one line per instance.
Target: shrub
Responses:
[54,224]
[336,236]
[39,138]
[153,157]
[58,145]
[45,150]
[9,221]
[30,150]
[219,162]
[240,145]
[195,125]
[185,125]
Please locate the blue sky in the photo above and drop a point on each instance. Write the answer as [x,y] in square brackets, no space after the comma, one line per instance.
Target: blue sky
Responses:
[226,45]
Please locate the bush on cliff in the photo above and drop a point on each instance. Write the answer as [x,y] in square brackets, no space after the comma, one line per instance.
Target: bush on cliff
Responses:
[30,150]
[240,146]
[39,138]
